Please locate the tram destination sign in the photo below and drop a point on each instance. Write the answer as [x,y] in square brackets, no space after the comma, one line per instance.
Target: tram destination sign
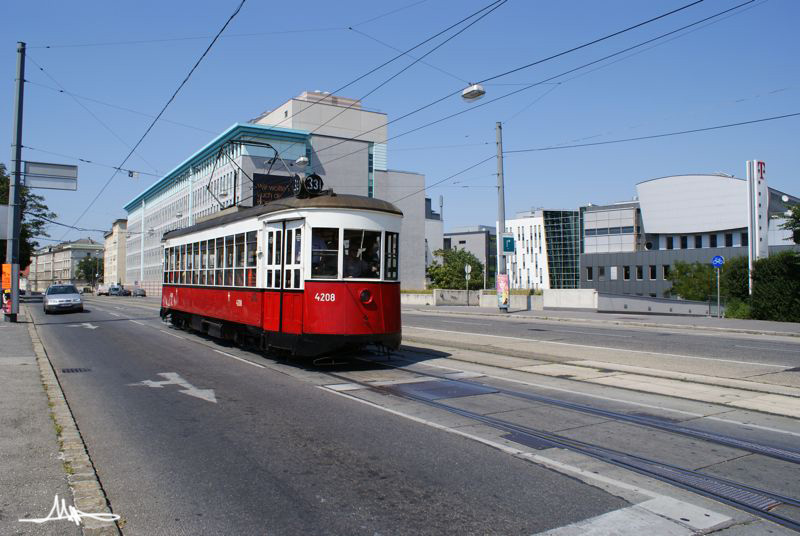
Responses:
[269,187]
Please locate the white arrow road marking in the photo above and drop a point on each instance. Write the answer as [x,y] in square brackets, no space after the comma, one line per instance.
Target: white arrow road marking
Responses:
[87,325]
[173,378]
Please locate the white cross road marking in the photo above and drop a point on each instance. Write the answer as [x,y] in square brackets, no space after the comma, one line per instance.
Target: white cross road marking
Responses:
[87,325]
[173,378]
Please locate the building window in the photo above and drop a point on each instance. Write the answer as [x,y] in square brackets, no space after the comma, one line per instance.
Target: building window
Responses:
[653,274]
[589,273]
[684,242]
[613,273]
[665,269]
[626,273]
[601,273]
[712,241]
[698,241]
[745,240]
[728,240]
[639,273]
[447,242]
[670,245]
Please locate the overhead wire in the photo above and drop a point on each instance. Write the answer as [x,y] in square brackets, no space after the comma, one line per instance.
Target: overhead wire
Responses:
[654,136]
[87,161]
[118,107]
[501,97]
[163,109]
[91,113]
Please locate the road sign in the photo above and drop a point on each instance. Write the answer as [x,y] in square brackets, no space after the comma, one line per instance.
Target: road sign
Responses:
[50,176]
[508,244]
[718,261]
[467,268]
[468,277]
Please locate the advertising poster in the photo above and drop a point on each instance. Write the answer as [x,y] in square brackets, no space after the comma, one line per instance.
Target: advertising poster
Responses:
[6,277]
[268,188]
[502,291]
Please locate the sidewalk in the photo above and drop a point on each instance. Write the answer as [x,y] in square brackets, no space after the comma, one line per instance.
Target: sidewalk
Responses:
[724,325]
[32,473]
[42,454]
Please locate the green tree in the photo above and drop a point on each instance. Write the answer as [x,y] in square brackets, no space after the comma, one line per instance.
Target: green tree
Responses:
[792,223]
[89,269]
[734,280]
[450,273]
[776,288]
[33,226]
[693,281]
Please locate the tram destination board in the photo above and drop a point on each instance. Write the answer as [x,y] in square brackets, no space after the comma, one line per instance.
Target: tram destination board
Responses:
[269,187]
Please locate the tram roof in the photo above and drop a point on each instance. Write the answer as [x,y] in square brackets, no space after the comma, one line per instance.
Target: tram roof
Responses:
[334,201]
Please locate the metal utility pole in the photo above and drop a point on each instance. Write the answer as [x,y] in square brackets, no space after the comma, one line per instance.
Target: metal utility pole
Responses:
[501,208]
[15,212]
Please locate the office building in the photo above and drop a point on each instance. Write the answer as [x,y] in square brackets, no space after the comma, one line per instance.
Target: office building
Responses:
[59,263]
[114,253]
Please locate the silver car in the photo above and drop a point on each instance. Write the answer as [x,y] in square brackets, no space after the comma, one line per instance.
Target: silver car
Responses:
[62,298]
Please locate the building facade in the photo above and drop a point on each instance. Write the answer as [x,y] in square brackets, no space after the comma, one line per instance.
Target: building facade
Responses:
[59,263]
[481,241]
[546,249]
[114,253]
[434,232]
[342,142]
[630,248]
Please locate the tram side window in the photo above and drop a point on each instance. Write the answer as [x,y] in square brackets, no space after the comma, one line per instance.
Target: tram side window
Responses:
[228,261]
[362,250]
[183,264]
[238,274]
[165,269]
[203,262]
[324,252]
[391,261]
[252,250]
[196,264]
[211,257]
[220,260]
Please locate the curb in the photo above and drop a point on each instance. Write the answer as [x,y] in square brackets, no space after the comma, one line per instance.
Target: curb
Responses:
[516,316]
[87,492]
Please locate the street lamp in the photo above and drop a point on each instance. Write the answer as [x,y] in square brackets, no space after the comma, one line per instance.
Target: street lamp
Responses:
[473,92]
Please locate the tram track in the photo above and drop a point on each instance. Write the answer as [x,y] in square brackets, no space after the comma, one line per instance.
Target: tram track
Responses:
[757,501]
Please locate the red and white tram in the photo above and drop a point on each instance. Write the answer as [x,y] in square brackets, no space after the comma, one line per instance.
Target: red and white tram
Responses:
[309,276]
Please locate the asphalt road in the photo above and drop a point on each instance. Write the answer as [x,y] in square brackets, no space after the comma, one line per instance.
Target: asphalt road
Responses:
[274,454]
[747,349]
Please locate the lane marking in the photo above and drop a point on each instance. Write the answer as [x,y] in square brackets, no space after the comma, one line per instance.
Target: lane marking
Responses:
[748,425]
[590,333]
[173,378]
[113,314]
[561,467]
[137,322]
[458,322]
[238,358]
[523,339]
[767,348]
[172,334]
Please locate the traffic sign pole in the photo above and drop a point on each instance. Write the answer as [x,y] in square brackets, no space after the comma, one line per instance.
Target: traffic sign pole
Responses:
[717,263]
[718,315]
[14,213]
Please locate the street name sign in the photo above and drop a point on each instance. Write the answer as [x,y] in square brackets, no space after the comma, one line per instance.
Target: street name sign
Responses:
[508,244]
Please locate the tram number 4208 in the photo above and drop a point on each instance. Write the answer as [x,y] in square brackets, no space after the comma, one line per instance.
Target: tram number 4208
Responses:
[325,297]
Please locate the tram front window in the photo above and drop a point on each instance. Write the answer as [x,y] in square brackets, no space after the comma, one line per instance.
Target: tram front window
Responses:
[324,252]
[362,254]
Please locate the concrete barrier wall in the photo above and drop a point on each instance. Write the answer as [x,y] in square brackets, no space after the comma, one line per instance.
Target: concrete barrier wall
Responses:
[640,304]
[516,303]
[456,297]
[416,299]
[569,299]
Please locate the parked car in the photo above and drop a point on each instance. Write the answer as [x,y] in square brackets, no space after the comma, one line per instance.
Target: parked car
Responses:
[138,291]
[62,298]
[102,290]
[118,290]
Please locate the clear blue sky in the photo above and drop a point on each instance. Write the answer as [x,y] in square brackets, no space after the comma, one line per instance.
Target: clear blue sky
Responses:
[741,68]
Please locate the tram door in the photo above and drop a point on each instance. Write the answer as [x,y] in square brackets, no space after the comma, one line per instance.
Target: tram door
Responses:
[283,276]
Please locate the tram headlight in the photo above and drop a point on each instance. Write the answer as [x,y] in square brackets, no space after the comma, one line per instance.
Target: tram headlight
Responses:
[366,296]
